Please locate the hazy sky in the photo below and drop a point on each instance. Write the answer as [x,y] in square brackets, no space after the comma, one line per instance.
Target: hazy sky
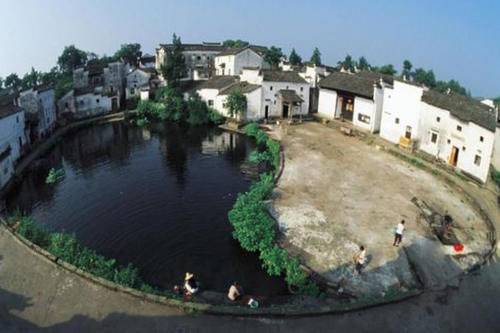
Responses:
[457,39]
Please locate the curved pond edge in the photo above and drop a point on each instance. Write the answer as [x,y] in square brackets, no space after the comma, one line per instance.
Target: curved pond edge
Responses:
[233,310]
[286,310]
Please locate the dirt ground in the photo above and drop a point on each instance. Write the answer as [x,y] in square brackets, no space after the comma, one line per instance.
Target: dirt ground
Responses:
[337,193]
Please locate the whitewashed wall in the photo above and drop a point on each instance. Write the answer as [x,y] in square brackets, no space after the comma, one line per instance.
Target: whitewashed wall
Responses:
[327,103]
[270,89]
[402,103]
[91,105]
[496,151]
[11,134]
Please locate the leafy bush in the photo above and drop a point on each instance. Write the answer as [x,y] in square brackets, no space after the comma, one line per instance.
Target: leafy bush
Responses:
[252,129]
[257,157]
[215,116]
[54,176]
[197,110]
[66,248]
[495,175]
[273,260]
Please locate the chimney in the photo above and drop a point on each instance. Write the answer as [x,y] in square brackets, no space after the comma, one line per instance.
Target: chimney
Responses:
[448,91]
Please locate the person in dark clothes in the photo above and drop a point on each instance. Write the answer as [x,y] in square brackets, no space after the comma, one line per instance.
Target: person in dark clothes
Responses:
[190,284]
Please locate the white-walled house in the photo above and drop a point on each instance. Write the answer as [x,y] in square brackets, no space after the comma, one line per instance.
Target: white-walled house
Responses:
[253,94]
[459,131]
[40,108]
[199,58]
[12,136]
[284,93]
[495,160]
[91,102]
[140,80]
[401,112]
[232,61]
[354,97]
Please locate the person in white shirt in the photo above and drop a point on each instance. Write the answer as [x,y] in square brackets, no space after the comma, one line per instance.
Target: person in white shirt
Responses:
[398,236]
[360,259]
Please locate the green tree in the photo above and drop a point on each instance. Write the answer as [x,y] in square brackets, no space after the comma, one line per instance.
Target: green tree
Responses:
[407,66]
[50,77]
[386,69]
[174,67]
[12,81]
[70,58]
[129,53]
[294,58]
[347,64]
[197,110]
[497,101]
[363,64]
[273,56]
[236,103]
[424,77]
[238,43]
[316,57]
[31,79]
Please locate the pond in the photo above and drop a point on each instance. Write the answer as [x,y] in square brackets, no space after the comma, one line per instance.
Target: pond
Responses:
[155,197]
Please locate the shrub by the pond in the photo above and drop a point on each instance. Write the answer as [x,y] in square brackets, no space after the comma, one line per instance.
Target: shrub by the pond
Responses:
[254,228]
[54,176]
[67,248]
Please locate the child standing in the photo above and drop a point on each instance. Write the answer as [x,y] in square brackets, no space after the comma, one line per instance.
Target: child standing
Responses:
[398,236]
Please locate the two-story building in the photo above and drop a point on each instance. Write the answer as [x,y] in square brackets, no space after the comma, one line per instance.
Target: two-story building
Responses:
[199,59]
[141,82]
[233,60]
[12,135]
[40,110]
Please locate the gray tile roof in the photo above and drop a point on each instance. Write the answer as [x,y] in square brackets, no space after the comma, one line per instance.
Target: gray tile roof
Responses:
[197,47]
[290,96]
[361,85]
[218,82]
[463,108]
[243,87]
[256,48]
[282,76]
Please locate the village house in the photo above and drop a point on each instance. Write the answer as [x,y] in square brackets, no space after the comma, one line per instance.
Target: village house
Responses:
[141,83]
[97,90]
[353,97]
[232,61]
[199,59]
[13,140]
[284,93]
[40,111]
[147,61]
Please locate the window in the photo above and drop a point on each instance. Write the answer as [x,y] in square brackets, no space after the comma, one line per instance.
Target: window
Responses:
[274,101]
[434,137]
[477,160]
[66,104]
[481,139]
[97,101]
[286,87]
[396,120]
[17,119]
[132,91]
[210,102]
[48,120]
[449,141]
[438,119]
[81,103]
[198,58]
[459,128]
[463,148]
[301,88]
[271,88]
[363,118]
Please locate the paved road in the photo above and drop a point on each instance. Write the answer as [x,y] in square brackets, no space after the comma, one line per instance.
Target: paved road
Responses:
[36,295]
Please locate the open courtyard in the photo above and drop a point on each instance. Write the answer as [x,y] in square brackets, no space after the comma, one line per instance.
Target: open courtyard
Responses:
[338,192]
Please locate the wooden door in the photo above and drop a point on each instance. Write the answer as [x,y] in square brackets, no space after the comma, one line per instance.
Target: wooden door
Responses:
[454,156]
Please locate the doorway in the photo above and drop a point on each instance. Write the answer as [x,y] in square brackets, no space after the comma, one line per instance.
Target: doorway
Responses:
[266,112]
[408,132]
[346,103]
[454,156]
[114,105]
[285,110]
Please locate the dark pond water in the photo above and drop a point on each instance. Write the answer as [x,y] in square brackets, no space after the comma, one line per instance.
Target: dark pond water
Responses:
[157,198]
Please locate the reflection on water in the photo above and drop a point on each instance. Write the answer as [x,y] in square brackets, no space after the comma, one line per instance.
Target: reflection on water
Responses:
[155,197]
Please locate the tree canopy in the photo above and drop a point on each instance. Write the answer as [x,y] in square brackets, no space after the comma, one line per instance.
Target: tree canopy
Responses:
[231,43]
[70,58]
[31,79]
[236,103]
[273,56]
[348,63]
[363,64]
[174,67]
[316,57]
[406,72]
[129,53]
[294,58]
[386,69]
[12,81]
[424,77]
